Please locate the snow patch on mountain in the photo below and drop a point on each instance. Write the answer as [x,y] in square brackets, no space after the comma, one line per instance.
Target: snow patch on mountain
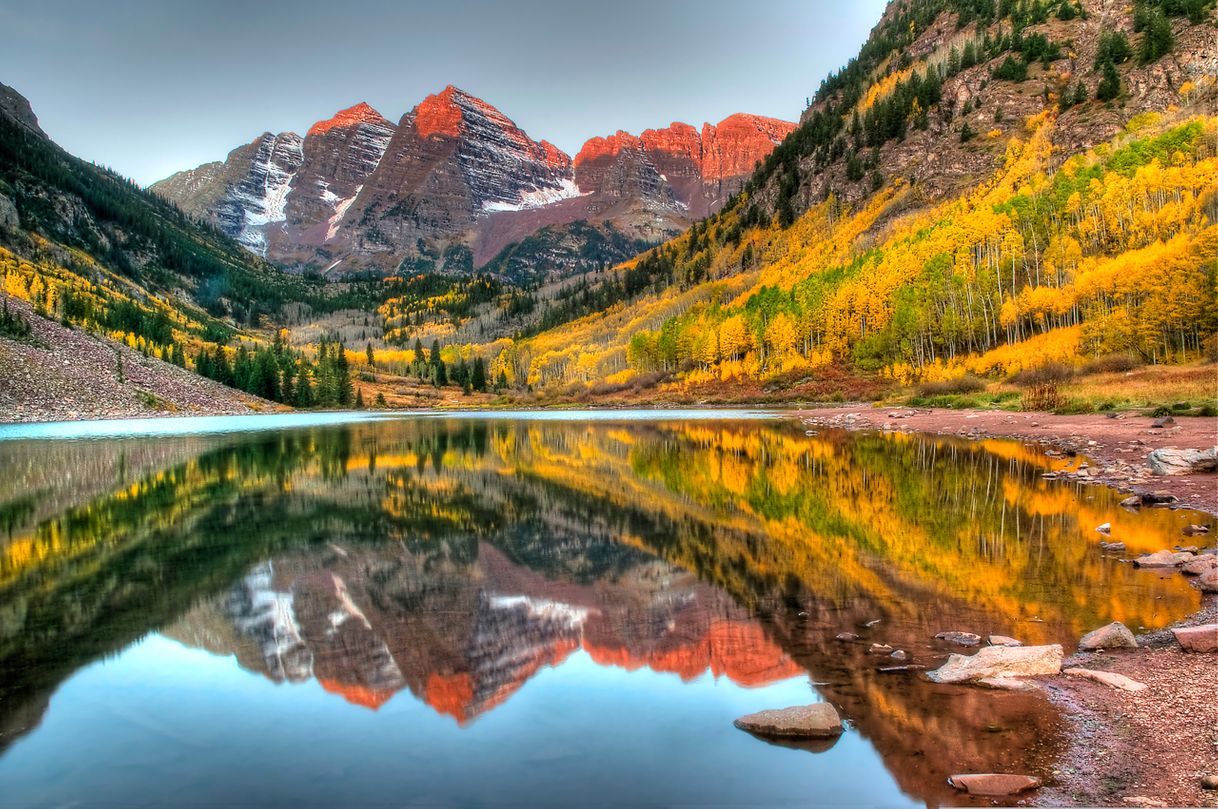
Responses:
[340,211]
[538,197]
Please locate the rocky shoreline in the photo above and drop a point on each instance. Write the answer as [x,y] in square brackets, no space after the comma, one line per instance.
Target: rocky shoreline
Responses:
[1113,450]
[1141,724]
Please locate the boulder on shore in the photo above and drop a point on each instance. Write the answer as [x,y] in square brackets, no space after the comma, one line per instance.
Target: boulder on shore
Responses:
[993,784]
[1203,639]
[1169,461]
[1114,636]
[1109,678]
[1200,566]
[816,721]
[1163,559]
[1000,661]
[1207,582]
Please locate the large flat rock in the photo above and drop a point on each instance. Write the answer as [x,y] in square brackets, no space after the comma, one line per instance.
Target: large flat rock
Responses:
[1108,678]
[1197,638]
[816,721]
[993,783]
[1000,661]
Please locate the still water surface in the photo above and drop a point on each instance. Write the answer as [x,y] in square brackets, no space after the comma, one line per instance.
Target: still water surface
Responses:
[519,610]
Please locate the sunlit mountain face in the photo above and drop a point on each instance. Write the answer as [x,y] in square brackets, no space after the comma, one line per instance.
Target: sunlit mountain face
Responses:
[427,581]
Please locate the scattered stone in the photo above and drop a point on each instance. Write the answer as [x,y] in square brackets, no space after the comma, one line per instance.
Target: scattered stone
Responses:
[1200,566]
[1201,639]
[1114,547]
[1000,661]
[879,649]
[1114,636]
[1194,530]
[1209,782]
[1163,559]
[900,669]
[1104,528]
[1133,501]
[1109,678]
[816,721]
[1158,499]
[899,654]
[870,624]
[993,784]
[1139,800]
[1160,423]
[847,636]
[960,638]
[1183,461]
[1193,549]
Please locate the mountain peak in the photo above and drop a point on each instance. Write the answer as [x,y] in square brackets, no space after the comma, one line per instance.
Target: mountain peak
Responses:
[361,113]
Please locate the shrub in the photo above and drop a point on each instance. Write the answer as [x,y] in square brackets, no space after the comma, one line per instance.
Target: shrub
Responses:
[1112,363]
[1049,372]
[964,384]
[1043,396]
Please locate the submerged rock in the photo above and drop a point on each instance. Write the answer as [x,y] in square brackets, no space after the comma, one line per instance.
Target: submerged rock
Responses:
[1003,640]
[1163,559]
[1114,636]
[1201,639]
[960,638]
[1109,678]
[1000,661]
[816,721]
[1193,530]
[879,649]
[847,636]
[993,784]
[1133,501]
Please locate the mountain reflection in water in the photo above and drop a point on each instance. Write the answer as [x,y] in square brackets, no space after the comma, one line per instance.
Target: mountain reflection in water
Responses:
[457,559]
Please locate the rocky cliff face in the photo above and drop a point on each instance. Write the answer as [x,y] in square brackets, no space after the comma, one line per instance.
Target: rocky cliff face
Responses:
[246,195]
[456,182]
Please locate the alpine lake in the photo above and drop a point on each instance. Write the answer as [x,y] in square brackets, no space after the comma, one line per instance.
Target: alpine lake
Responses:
[531,609]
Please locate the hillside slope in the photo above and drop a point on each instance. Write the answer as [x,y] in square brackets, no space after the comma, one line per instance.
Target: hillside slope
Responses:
[61,374]
[952,204]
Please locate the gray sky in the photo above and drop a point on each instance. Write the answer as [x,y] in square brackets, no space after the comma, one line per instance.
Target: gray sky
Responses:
[150,87]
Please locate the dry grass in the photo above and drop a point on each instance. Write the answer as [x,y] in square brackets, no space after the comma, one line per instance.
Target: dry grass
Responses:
[1150,386]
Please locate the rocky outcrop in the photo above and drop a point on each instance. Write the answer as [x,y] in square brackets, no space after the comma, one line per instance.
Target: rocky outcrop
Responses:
[1000,661]
[15,106]
[816,721]
[245,195]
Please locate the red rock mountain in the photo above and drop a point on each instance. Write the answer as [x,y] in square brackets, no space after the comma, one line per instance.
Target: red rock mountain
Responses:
[455,182]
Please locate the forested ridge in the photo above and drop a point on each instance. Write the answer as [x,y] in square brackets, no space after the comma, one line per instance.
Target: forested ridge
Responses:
[1045,253]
